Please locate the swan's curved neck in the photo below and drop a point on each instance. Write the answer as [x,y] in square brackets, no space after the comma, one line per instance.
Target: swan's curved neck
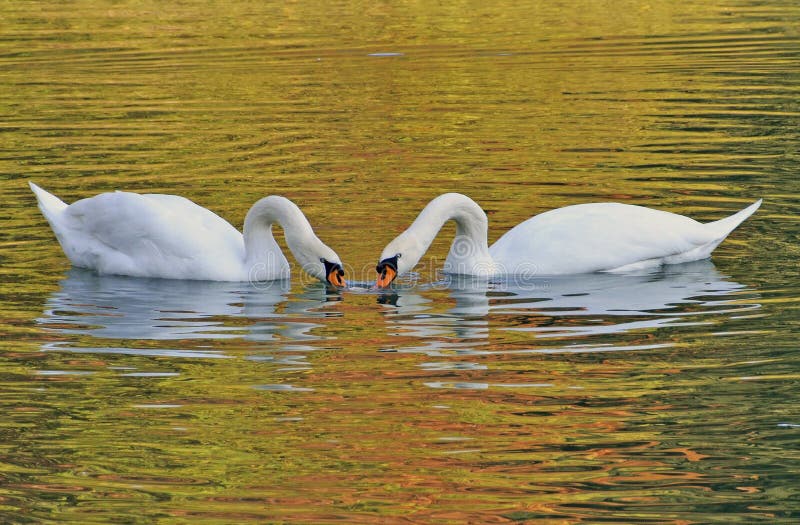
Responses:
[258,239]
[471,221]
[469,253]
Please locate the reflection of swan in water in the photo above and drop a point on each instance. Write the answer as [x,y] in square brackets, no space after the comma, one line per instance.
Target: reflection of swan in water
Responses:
[115,307]
[612,294]
[414,313]
[587,304]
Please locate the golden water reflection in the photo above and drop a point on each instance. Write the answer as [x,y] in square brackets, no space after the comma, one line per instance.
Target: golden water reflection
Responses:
[665,397]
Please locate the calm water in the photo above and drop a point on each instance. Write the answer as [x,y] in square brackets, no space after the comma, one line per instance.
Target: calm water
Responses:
[666,397]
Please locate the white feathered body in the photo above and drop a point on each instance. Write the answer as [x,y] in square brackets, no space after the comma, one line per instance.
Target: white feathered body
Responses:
[583,238]
[607,237]
[153,235]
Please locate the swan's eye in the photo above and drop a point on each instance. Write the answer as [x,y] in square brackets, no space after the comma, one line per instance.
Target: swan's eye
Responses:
[398,255]
[322,260]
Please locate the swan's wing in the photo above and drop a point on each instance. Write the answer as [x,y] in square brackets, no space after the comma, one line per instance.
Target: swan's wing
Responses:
[596,237]
[163,235]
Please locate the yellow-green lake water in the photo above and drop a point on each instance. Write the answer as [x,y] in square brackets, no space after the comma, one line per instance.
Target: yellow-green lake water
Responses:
[666,397]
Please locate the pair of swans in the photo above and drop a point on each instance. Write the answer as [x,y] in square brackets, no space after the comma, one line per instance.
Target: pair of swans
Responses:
[166,236]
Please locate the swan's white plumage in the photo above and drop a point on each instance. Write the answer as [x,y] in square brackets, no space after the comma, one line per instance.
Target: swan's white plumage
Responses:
[146,235]
[575,239]
[593,237]
[167,236]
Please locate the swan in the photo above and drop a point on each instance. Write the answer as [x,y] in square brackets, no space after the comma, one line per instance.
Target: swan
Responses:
[171,237]
[582,238]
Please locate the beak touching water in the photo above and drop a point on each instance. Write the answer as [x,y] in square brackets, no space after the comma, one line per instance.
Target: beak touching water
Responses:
[387,272]
[334,274]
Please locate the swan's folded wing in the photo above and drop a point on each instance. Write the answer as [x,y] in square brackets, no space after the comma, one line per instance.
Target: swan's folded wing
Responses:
[138,234]
[596,237]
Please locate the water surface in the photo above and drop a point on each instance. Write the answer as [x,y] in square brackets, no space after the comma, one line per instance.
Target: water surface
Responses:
[668,396]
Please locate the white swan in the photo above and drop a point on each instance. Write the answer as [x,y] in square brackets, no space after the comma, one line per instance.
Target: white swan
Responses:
[575,239]
[171,237]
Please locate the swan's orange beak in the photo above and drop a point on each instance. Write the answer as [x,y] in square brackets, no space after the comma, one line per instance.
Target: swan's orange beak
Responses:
[336,277]
[387,271]
[385,277]
[334,274]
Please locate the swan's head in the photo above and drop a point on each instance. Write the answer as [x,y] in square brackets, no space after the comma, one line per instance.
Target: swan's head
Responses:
[324,264]
[399,257]
[334,273]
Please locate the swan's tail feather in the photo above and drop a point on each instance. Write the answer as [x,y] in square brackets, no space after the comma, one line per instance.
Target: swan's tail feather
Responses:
[48,203]
[719,230]
[723,227]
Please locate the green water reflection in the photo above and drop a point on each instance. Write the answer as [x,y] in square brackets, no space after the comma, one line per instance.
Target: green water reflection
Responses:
[667,397]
